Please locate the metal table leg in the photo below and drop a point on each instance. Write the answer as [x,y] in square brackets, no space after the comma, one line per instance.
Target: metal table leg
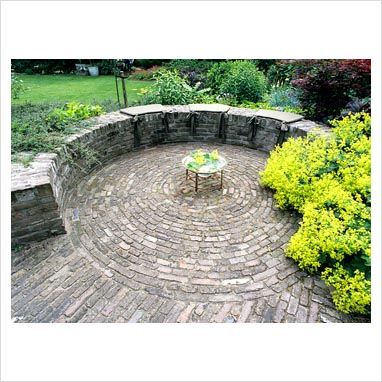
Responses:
[221,179]
[196,182]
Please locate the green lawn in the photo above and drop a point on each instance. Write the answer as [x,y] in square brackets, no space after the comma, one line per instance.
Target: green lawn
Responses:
[67,88]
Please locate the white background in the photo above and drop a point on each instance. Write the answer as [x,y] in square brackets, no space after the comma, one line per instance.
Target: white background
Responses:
[266,352]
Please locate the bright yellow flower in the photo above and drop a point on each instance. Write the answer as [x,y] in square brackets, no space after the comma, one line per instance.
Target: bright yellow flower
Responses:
[214,155]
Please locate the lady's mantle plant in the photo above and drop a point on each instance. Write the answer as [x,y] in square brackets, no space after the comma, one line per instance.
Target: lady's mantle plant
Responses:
[327,179]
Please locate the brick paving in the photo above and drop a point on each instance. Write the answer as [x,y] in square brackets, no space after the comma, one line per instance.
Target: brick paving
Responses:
[142,246]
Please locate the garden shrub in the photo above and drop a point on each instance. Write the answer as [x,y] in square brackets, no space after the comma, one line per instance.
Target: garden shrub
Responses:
[171,89]
[327,86]
[244,81]
[351,293]
[217,74]
[327,180]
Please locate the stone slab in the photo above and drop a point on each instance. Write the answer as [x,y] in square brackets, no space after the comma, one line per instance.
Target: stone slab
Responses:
[213,107]
[36,174]
[279,115]
[145,109]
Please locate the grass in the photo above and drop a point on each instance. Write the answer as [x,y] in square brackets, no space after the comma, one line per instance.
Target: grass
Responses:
[66,88]
[31,130]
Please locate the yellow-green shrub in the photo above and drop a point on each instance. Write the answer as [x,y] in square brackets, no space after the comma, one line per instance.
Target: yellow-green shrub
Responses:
[352,294]
[327,179]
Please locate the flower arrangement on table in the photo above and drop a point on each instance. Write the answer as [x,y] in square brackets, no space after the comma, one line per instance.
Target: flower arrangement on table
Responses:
[202,161]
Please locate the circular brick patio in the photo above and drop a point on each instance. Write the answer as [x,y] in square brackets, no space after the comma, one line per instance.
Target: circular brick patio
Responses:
[142,246]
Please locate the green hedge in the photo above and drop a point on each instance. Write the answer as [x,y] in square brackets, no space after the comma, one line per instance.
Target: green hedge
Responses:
[327,179]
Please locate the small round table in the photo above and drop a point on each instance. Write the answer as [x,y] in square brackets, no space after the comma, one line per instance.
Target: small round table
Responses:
[206,170]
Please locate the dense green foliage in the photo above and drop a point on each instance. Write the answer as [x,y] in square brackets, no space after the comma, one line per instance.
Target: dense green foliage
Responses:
[241,80]
[244,82]
[147,63]
[172,89]
[326,88]
[44,127]
[43,66]
[327,179]
[193,71]
[71,113]
[216,75]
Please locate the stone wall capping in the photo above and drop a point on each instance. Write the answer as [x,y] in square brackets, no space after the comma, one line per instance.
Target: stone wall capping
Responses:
[176,109]
[212,107]
[145,109]
[34,175]
[49,177]
[241,111]
[279,115]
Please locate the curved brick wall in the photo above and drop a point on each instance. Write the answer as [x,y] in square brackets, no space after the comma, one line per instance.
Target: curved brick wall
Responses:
[39,191]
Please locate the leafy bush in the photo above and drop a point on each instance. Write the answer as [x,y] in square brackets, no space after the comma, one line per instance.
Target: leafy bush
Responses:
[327,179]
[326,86]
[217,74]
[242,80]
[171,89]
[351,293]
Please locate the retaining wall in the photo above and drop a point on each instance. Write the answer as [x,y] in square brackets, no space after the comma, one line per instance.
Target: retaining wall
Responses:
[39,191]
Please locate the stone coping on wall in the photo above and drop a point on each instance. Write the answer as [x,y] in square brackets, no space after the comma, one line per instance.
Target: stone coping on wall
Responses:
[212,107]
[49,175]
[279,115]
[145,109]
[34,175]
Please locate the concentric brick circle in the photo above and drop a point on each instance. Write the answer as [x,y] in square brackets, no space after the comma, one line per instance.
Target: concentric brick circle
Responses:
[141,220]
[143,246]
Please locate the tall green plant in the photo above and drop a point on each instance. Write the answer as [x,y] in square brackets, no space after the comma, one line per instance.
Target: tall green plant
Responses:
[17,86]
[241,80]
[171,89]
